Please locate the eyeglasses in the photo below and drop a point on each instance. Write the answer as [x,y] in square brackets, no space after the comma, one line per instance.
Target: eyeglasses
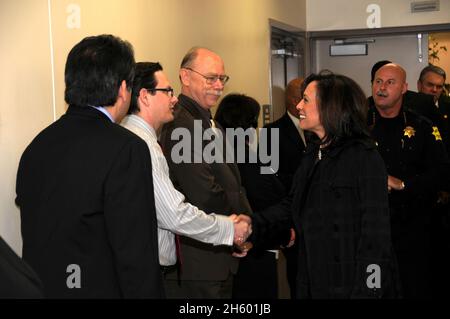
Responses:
[211,79]
[169,91]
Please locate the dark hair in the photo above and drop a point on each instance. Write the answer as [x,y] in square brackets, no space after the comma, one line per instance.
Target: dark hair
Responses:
[342,107]
[434,69]
[376,67]
[238,110]
[95,69]
[143,79]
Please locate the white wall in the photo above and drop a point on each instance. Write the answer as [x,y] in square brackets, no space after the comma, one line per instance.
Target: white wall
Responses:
[359,67]
[160,30]
[26,96]
[351,14]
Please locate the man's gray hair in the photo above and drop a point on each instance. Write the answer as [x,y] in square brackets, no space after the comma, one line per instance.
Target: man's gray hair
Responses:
[189,57]
[434,69]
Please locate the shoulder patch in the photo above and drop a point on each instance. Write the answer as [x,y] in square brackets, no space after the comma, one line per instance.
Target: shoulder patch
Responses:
[436,133]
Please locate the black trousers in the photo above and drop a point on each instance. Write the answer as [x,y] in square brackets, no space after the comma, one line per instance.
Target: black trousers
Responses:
[257,276]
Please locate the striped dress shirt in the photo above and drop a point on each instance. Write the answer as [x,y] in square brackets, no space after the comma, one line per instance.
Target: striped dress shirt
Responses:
[174,215]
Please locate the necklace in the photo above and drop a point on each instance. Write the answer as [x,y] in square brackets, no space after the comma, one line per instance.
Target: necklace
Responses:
[319,155]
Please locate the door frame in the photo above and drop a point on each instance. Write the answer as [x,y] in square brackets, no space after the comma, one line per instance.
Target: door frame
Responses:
[313,36]
[288,30]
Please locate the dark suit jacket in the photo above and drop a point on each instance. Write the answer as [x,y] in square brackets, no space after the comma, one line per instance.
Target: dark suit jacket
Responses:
[265,190]
[17,279]
[85,191]
[214,188]
[291,147]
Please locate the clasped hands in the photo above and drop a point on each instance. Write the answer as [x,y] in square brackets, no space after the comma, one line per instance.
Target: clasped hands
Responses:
[242,230]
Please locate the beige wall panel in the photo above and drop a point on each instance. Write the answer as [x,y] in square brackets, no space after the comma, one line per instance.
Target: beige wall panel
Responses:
[26,91]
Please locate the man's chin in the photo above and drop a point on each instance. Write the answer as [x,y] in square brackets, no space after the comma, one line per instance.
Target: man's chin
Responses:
[212,101]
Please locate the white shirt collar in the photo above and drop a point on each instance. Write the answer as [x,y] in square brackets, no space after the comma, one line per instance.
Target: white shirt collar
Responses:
[104,111]
[297,125]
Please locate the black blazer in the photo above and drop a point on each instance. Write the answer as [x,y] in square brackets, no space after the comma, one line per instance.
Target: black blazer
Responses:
[85,192]
[17,279]
[340,209]
[291,147]
[265,190]
[214,188]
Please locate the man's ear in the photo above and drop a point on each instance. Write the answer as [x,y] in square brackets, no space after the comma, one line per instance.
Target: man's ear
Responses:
[184,77]
[123,91]
[143,93]
[405,88]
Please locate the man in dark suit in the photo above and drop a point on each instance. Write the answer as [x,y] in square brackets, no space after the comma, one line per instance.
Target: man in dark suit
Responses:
[292,143]
[17,279]
[292,138]
[84,186]
[206,271]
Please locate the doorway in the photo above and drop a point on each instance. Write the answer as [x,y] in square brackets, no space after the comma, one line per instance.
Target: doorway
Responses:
[407,46]
[287,62]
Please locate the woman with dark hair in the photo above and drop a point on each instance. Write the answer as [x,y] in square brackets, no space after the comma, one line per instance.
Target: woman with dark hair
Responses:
[339,199]
[257,274]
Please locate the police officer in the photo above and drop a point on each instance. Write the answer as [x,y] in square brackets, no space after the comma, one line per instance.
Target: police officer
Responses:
[417,167]
[431,81]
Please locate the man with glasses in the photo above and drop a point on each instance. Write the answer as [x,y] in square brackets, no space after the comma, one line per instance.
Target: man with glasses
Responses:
[152,104]
[206,271]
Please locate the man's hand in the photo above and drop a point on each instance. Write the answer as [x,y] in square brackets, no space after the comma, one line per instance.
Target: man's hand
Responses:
[242,228]
[242,249]
[291,240]
[395,184]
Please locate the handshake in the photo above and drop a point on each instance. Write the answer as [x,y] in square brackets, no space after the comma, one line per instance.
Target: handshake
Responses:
[242,230]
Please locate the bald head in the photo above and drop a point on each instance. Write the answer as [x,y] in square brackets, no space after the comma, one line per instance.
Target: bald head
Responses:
[394,68]
[293,95]
[388,88]
[202,76]
[191,57]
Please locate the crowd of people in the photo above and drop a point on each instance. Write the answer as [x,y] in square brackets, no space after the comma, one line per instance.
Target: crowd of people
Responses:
[138,193]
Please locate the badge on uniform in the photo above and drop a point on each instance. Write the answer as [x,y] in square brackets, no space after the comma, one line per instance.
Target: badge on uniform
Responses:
[409,131]
[436,133]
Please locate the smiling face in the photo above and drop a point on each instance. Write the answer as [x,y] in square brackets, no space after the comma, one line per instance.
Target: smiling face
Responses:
[309,111]
[195,84]
[161,103]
